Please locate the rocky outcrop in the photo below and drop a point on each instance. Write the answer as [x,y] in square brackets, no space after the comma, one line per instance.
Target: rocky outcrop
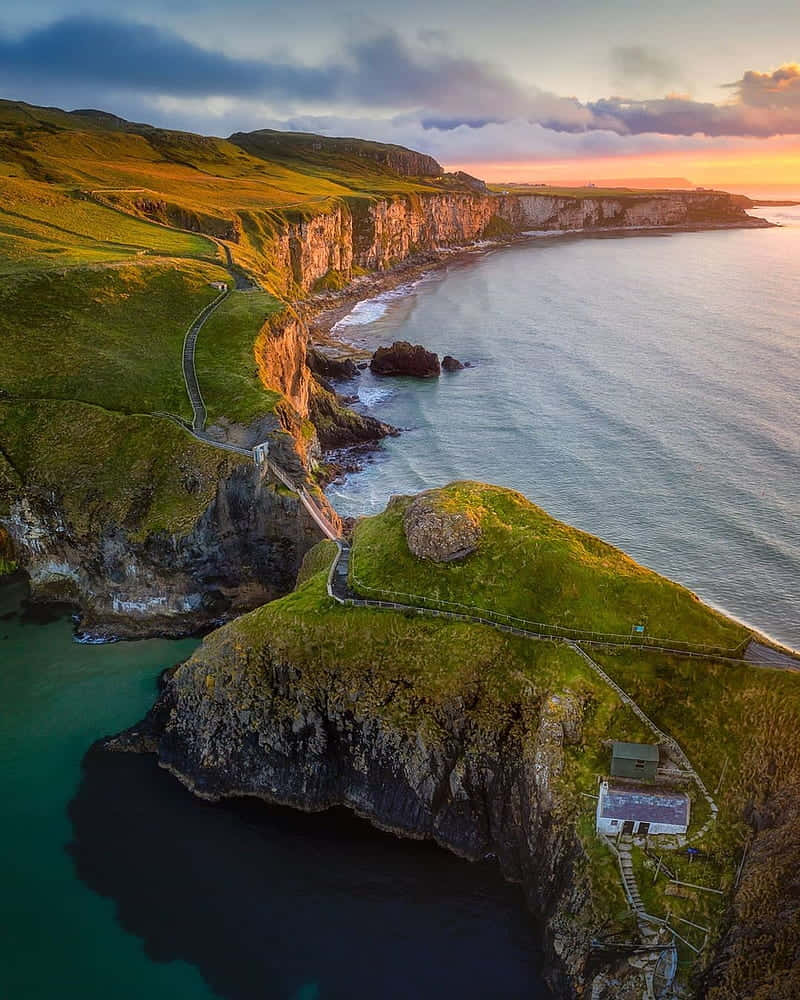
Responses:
[436,533]
[451,364]
[280,353]
[338,426]
[757,954]
[338,369]
[403,358]
[245,549]
[246,719]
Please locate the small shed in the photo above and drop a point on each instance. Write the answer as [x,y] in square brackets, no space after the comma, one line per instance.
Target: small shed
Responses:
[634,760]
[630,809]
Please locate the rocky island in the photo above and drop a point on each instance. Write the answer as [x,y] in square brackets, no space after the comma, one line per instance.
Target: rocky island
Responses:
[490,742]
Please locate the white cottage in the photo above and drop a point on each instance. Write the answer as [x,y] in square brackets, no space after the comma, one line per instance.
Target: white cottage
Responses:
[635,809]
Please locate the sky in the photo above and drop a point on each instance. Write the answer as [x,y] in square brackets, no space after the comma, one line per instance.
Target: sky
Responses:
[564,90]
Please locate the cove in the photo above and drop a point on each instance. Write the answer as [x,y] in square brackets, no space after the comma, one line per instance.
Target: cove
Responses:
[121,883]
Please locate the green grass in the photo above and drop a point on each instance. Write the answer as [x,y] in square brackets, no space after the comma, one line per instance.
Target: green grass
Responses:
[44,227]
[226,366]
[111,336]
[747,715]
[309,628]
[55,168]
[534,567]
[140,473]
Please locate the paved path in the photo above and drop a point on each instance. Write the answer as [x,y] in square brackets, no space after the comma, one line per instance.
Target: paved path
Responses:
[189,370]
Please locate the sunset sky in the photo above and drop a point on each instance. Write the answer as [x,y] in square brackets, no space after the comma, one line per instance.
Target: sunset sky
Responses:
[509,90]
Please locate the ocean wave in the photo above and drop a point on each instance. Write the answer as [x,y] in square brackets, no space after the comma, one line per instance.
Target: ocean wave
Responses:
[369,395]
[369,310]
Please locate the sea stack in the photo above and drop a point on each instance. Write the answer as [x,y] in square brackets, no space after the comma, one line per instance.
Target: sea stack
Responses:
[403,358]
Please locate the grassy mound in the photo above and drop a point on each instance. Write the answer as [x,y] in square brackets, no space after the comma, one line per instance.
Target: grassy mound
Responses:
[531,566]
[310,630]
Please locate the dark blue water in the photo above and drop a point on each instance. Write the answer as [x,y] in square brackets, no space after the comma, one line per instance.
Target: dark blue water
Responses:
[119,883]
[646,389]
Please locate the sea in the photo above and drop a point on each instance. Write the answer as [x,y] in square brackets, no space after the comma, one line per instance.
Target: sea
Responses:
[644,388]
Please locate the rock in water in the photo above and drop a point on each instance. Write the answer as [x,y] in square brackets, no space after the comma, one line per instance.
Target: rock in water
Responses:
[335,368]
[451,364]
[438,534]
[403,358]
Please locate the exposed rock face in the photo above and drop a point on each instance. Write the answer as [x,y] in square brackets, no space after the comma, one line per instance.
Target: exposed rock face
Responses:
[237,720]
[435,533]
[245,549]
[280,352]
[403,358]
[376,235]
[451,364]
[340,427]
[757,954]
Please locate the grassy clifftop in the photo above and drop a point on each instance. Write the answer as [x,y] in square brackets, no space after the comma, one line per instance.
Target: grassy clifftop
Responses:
[529,565]
[737,723]
[80,187]
[95,468]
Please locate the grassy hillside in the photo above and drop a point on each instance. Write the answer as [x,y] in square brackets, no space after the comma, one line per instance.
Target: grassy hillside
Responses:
[532,566]
[111,233]
[735,722]
[43,226]
[140,472]
[226,367]
[110,336]
[73,182]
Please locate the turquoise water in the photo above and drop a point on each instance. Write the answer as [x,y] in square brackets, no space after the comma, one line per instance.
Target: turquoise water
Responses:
[57,938]
[644,388]
[119,883]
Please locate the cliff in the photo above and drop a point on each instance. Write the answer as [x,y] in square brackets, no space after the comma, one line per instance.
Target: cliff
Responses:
[168,541]
[325,709]
[491,744]
[318,149]
[373,234]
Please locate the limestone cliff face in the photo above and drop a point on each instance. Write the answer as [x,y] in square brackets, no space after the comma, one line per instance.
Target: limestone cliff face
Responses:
[672,209]
[376,234]
[241,718]
[280,352]
[308,250]
[245,549]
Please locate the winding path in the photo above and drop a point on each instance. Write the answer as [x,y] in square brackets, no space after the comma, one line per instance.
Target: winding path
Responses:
[189,369]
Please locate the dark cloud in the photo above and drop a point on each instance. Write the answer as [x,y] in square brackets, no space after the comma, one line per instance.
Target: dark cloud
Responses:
[379,70]
[121,55]
[633,63]
[420,85]
[678,115]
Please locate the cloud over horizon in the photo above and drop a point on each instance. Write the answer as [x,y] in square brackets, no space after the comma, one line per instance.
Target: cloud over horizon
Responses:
[416,87]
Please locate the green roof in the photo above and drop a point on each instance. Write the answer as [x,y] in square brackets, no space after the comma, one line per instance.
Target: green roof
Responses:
[635,751]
